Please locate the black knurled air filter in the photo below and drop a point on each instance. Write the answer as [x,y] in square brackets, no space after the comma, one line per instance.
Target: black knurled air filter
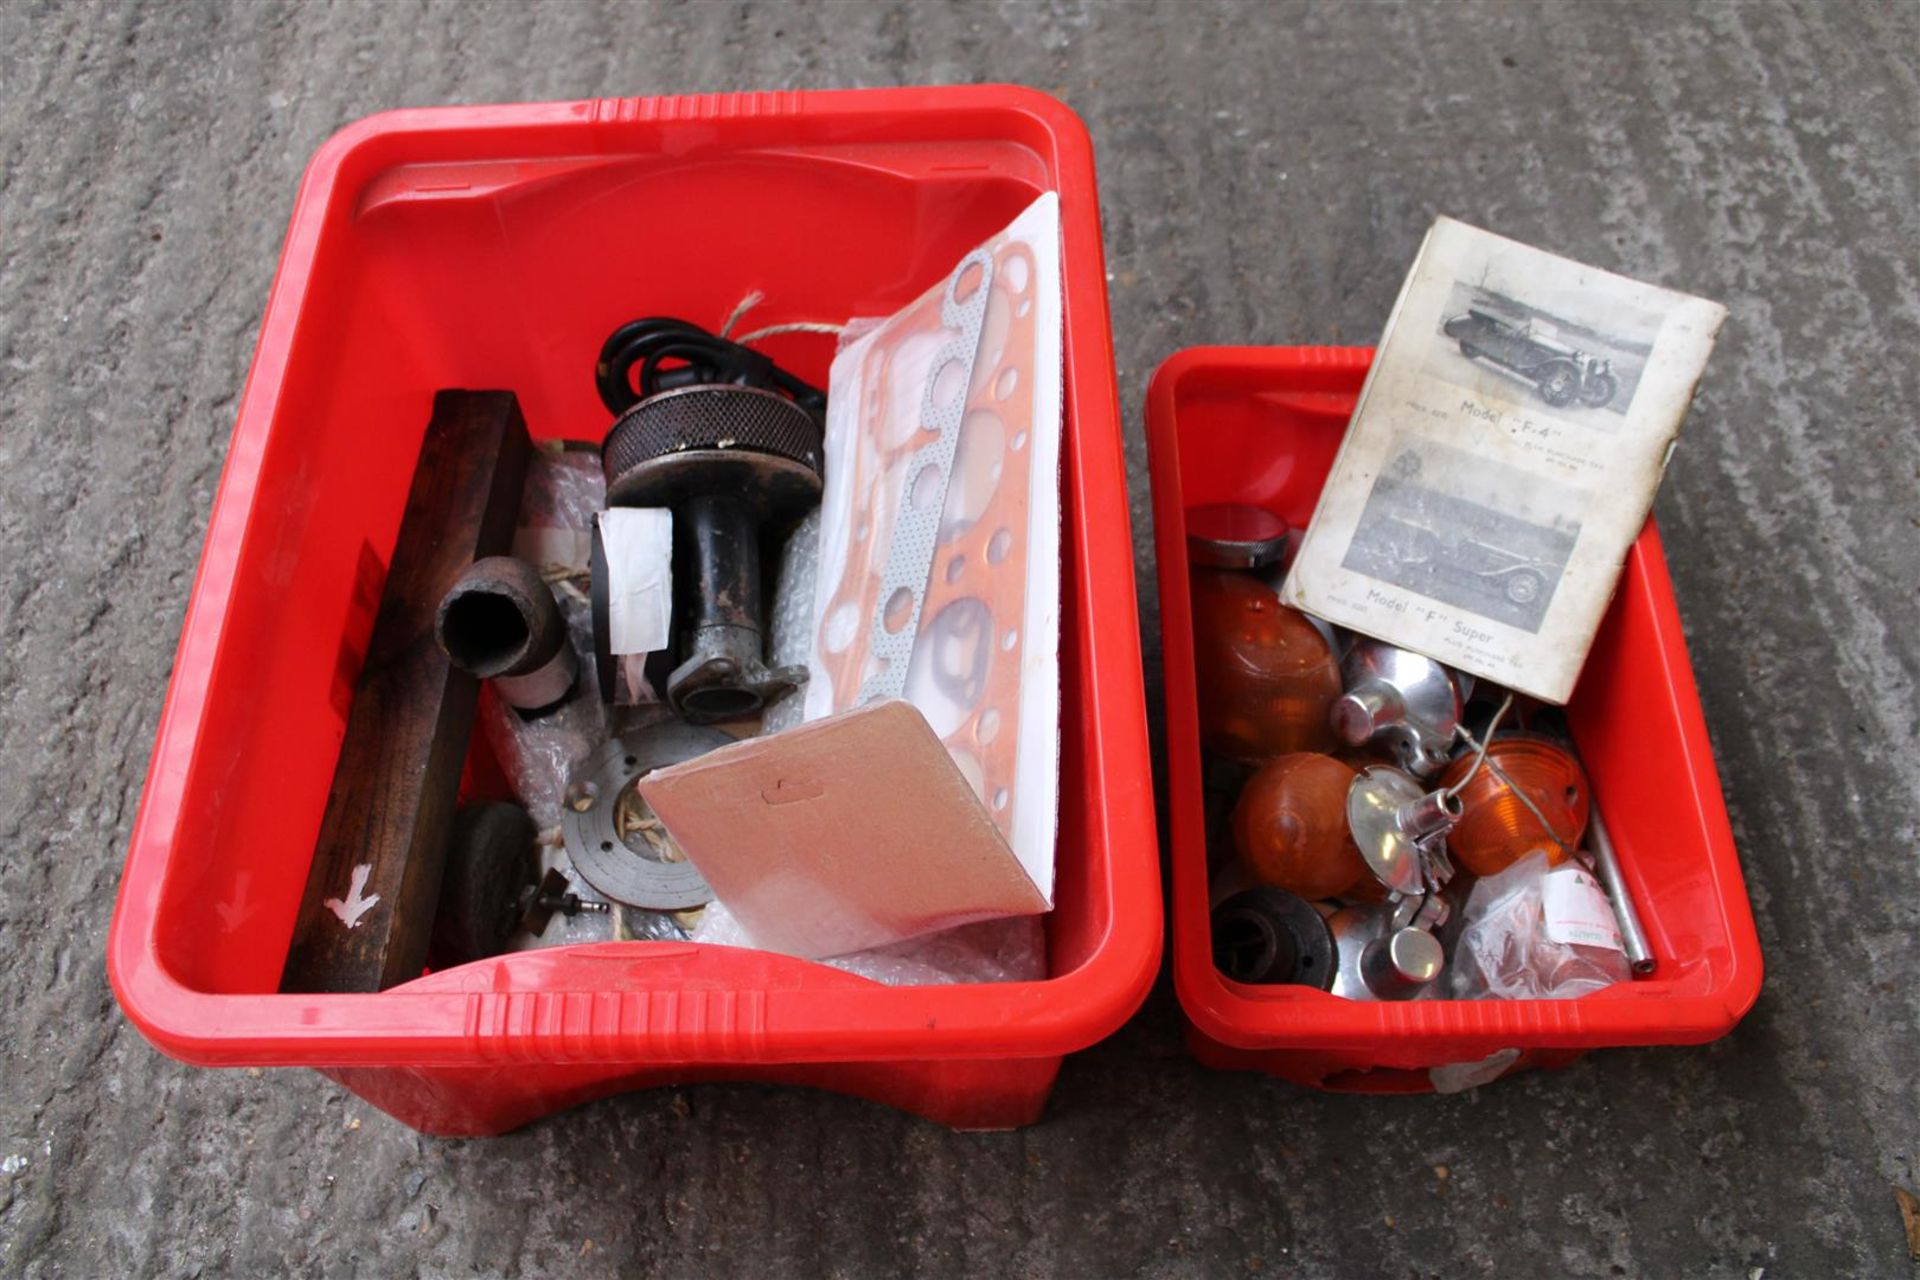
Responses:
[708,420]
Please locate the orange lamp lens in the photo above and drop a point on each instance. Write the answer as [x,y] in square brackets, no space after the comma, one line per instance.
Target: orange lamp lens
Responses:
[1266,675]
[1496,828]
[1290,827]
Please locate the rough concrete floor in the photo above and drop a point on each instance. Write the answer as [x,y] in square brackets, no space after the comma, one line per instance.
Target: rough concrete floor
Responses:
[1266,173]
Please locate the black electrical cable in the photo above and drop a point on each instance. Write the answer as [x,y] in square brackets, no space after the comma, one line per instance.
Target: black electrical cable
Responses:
[675,353]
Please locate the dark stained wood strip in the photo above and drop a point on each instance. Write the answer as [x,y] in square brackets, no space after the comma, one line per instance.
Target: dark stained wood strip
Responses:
[368,912]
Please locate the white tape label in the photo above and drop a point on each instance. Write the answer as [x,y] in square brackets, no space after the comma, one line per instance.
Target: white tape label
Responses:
[1577,911]
[639,546]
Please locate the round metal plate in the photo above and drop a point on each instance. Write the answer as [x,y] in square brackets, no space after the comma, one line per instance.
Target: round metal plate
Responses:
[639,868]
[1373,812]
[1225,535]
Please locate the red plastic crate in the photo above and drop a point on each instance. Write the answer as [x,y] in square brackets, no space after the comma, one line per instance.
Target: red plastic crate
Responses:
[496,247]
[1261,425]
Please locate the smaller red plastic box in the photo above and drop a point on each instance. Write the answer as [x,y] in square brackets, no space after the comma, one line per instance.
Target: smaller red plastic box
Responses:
[496,247]
[1261,426]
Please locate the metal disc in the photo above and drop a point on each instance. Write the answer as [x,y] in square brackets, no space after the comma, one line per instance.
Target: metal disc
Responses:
[1373,812]
[640,868]
[1225,535]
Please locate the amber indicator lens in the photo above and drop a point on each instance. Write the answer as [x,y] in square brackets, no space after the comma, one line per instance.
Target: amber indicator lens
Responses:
[1290,827]
[1266,675]
[1496,826]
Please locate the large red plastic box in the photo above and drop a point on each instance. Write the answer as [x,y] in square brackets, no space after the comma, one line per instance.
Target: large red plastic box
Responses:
[1261,425]
[495,247]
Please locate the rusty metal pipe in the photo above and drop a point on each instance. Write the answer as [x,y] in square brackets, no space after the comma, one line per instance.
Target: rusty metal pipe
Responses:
[500,622]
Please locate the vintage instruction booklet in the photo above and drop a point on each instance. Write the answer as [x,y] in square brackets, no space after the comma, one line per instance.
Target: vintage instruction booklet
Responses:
[1502,457]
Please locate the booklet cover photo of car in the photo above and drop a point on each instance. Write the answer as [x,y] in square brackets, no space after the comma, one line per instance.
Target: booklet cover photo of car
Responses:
[1502,457]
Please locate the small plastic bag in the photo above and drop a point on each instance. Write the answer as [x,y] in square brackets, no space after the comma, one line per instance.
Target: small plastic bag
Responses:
[1536,932]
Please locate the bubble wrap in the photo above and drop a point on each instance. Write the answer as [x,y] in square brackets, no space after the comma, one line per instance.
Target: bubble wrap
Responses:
[564,490]
[1010,950]
[790,630]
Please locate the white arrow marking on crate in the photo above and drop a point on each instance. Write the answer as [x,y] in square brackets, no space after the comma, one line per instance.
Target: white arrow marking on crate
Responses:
[234,914]
[355,906]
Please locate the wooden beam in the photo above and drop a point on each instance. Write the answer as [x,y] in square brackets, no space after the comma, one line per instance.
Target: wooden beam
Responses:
[368,912]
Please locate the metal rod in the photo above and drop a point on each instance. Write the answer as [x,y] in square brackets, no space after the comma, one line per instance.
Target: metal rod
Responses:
[1606,864]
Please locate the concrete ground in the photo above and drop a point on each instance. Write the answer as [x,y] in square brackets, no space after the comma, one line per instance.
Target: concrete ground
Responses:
[1266,173]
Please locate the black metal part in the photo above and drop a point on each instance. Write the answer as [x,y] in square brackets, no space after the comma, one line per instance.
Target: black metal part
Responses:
[733,463]
[554,896]
[605,665]
[723,613]
[1268,935]
[675,353]
[710,439]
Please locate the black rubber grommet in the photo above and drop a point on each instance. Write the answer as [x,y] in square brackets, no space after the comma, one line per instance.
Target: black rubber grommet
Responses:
[1271,936]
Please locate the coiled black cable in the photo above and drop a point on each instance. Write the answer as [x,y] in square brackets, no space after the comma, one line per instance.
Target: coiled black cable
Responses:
[676,353]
